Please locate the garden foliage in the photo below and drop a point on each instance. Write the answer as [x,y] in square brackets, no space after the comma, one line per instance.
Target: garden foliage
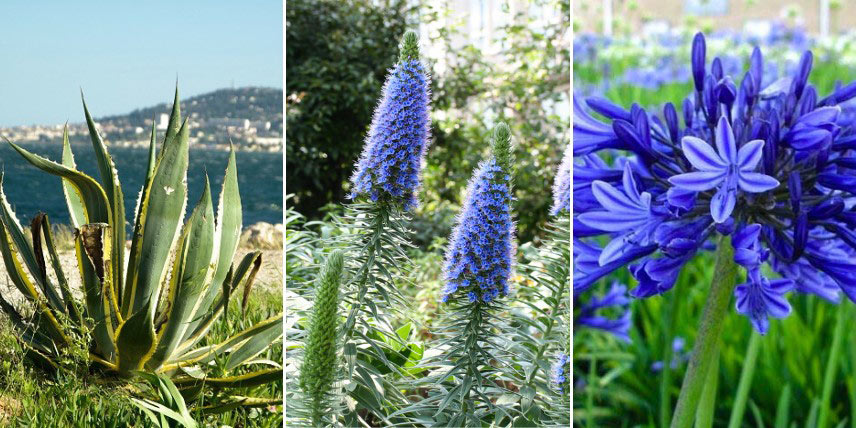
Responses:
[486,351]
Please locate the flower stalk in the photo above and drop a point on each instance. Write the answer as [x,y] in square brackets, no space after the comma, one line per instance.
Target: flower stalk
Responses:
[319,366]
[706,345]
[745,383]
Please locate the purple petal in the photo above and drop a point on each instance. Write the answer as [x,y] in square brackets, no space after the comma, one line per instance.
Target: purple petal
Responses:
[754,182]
[750,154]
[725,143]
[608,108]
[698,180]
[614,250]
[613,199]
[611,221]
[701,155]
[722,204]
[629,183]
[821,116]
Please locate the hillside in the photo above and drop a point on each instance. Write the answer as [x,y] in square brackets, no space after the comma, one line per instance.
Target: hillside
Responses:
[252,103]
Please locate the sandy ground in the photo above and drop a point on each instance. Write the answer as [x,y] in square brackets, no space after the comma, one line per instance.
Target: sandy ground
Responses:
[269,277]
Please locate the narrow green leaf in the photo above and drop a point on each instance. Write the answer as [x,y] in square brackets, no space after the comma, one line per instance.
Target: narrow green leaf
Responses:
[72,196]
[94,199]
[227,234]
[260,377]
[783,408]
[113,189]
[189,275]
[135,341]
[164,206]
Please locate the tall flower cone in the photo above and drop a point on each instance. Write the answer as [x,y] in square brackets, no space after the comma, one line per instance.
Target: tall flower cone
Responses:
[390,166]
[319,365]
[479,258]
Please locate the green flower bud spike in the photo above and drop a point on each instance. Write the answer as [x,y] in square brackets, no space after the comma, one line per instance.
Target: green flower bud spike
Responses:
[501,142]
[409,46]
[319,364]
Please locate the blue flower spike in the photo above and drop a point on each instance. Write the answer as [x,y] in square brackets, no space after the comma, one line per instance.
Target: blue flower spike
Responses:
[390,166]
[562,185]
[480,253]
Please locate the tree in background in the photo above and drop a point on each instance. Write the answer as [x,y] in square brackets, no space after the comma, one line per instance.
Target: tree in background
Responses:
[338,55]
[336,58]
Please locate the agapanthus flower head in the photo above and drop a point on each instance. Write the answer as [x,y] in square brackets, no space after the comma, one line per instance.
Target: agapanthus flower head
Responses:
[562,185]
[772,166]
[561,373]
[389,168]
[480,254]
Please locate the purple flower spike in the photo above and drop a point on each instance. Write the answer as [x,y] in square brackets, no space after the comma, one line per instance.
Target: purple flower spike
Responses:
[728,169]
[562,185]
[389,168]
[480,253]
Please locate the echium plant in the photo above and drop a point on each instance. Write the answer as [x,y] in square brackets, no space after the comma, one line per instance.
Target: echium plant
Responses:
[768,173]
[477,273]
[540,320]
[389,169]
[155,314]
[480,254]
[383,192]
[320,359]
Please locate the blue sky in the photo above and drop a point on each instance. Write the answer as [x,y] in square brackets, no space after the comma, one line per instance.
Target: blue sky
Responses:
[127,55]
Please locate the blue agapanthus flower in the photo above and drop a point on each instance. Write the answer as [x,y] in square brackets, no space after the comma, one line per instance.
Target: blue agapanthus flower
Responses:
[590,313]
[390,166]
[479,258]
[561,373]
[772,166]
[562,186]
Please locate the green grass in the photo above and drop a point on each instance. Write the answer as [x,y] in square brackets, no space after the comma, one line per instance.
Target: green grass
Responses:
[788,381]
[29,398]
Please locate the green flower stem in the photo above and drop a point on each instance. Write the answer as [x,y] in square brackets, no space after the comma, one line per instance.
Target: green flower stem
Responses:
[704,416]
[668,354]
[592,382]
[832,366]
[707,339]
[736,419]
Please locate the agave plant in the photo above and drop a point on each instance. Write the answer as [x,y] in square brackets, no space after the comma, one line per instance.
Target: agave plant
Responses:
[152,311]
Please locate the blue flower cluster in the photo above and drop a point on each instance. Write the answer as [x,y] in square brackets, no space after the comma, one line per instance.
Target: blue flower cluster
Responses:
[390,165]
[562,185]
[587,313]
[479,258]
[560,373]
[773,167]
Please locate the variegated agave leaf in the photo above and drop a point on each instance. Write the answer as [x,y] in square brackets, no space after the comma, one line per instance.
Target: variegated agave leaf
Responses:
[179,279]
